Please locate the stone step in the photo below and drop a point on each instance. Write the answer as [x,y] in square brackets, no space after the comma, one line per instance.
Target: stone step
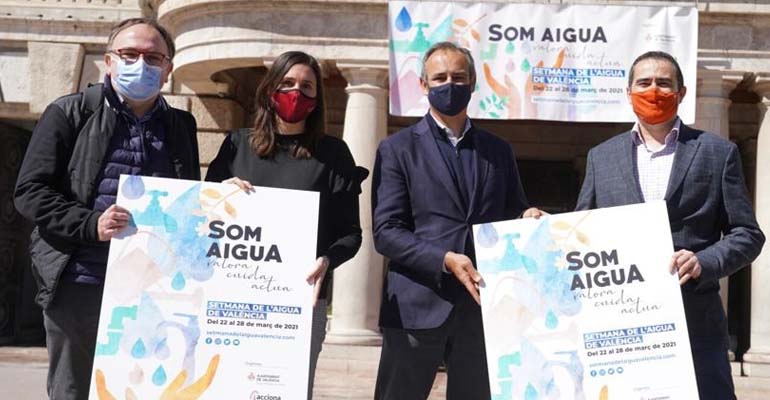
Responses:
[752,388]
[344,373]
[350,372]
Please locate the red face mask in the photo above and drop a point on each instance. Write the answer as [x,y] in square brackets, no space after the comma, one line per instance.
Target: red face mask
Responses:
[655,106]
[293,105]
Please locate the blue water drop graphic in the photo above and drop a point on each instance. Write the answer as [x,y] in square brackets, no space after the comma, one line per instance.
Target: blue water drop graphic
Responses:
[139,350]
[530,393]
[159,376]
[551,387]
[133,187]
[551,320]
[162,351]
[510,48]
[488,236]
[403,21]
[525,65]
[178,282]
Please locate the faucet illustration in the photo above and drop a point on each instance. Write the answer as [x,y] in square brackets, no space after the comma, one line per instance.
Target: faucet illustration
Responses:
[153,215]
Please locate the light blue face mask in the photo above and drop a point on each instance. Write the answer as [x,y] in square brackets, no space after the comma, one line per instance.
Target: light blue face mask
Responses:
[138,81]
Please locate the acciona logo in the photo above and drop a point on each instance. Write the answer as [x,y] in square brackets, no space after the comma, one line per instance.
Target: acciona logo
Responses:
[258,396]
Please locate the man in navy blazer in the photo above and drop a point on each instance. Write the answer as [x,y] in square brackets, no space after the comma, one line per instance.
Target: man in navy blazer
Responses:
[432,182]
[699,175]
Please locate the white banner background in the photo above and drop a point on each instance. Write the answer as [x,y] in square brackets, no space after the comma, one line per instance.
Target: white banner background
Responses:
[585,52]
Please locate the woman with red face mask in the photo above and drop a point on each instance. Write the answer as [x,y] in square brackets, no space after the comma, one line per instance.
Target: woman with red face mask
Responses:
[287,148]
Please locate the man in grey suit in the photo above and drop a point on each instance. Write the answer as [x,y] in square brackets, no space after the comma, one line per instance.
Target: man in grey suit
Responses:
[699,175]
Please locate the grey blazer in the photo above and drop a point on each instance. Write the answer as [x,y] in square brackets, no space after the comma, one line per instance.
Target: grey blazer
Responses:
[708,208]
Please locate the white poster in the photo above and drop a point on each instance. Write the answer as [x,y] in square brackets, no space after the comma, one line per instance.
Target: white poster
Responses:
[205,295]
[582,306]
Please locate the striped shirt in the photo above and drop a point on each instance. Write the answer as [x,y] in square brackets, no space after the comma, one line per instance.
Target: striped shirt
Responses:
[653,167]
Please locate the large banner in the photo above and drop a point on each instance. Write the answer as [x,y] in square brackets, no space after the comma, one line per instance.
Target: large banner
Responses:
[560,62]
[205,295]
[582,306]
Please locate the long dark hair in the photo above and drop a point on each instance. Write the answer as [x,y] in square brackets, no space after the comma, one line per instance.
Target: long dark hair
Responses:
[263,136]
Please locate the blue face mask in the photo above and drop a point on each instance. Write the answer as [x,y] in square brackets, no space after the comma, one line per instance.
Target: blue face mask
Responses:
[138,81]
[449,98]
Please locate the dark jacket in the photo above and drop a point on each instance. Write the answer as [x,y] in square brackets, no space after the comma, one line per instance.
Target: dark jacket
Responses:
[708,209]
[418,216]
[58,177]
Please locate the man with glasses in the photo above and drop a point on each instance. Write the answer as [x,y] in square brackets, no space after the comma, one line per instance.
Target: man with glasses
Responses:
[69,181]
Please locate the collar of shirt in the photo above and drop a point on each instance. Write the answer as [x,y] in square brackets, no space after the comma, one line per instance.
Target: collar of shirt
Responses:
[450,135]
[670,139]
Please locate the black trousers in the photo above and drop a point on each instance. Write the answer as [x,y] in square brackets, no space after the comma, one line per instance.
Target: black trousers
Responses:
[71,322]
[410,358]
[712,373]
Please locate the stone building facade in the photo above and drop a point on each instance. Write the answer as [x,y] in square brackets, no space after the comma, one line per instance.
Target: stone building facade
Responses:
[49,48]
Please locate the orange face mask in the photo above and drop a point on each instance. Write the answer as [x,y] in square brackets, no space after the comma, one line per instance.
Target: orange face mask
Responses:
[655,106]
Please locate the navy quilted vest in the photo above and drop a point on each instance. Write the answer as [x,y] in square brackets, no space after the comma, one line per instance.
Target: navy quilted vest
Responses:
[136,148]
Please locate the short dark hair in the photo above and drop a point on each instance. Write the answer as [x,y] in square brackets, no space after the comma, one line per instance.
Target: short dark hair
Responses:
[265,129]
[449,46]
[127,23]
[657,55]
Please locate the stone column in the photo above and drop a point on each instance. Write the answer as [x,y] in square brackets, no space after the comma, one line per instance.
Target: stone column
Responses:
[756,361]
[712,111]
[358,283]
[712,114]
[54,70]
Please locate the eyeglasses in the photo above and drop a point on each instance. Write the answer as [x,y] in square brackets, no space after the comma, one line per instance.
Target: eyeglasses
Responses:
[131,56]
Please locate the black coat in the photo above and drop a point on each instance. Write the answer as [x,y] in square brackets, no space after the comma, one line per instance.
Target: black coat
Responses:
[58,177]
[331,171]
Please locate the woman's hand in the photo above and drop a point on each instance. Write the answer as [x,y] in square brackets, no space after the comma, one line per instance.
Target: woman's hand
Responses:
[316,276]
[244,185]
[533,212]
